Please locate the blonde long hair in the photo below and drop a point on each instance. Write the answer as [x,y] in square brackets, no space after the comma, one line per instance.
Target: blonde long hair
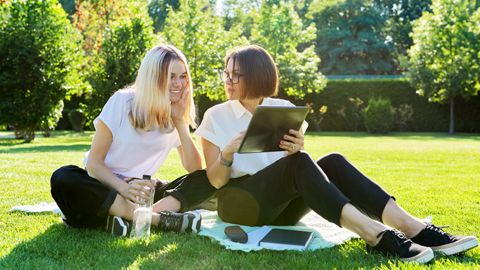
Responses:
[151,101]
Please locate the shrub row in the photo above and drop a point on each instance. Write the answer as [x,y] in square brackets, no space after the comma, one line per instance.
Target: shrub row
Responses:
[427,116]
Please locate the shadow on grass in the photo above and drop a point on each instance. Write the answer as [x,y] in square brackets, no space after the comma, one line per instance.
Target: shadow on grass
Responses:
[47,148]
[424,136]
[60,247]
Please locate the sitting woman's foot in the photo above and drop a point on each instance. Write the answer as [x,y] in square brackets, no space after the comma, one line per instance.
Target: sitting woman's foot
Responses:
[434,237]
[395,243]
[188,222]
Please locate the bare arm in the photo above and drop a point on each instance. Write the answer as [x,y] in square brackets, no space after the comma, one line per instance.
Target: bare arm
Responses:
[188,151]
[218,174]
[96,166]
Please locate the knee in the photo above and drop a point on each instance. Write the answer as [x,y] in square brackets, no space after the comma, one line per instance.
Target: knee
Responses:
[62,178]
[301,157]
[332,159]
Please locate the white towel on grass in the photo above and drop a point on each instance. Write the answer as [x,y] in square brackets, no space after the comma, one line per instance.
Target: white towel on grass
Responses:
[37,208]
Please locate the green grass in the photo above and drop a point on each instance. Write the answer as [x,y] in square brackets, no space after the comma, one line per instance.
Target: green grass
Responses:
[428,173]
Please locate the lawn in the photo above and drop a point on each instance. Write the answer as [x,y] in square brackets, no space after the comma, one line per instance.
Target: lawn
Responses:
[430,174]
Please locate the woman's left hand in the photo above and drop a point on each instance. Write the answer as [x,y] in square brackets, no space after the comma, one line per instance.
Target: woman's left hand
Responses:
[292,144]
[178,108]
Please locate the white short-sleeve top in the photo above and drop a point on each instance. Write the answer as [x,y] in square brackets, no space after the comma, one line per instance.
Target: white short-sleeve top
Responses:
[133,152]
[221,123]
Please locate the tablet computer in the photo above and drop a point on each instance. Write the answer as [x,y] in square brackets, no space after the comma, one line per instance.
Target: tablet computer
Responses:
[268,126]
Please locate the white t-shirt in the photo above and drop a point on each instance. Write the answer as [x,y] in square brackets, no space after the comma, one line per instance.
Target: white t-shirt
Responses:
[133,152]
[221,123]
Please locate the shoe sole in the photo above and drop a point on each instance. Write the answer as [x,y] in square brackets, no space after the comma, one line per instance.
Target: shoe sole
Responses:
[196,222]
[116,225]
[463,245]
[424,257]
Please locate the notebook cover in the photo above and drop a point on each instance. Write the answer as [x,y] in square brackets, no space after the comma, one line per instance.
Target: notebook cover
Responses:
[268,126]
[287,238]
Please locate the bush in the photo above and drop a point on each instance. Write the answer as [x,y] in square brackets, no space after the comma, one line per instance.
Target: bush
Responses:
[379,116]
[77,119]
[403,114]
[39,62]
[354,114]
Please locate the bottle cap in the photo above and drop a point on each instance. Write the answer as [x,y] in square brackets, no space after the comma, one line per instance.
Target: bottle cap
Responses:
[147,177]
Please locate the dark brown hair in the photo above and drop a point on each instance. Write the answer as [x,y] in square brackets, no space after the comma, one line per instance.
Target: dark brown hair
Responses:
[260,73]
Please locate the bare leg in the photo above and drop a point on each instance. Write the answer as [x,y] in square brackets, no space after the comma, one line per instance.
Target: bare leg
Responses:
[396,217]
[122,208]
[366,228]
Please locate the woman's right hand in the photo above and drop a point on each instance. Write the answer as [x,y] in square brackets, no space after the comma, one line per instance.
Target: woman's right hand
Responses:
[232,146]
[138,188]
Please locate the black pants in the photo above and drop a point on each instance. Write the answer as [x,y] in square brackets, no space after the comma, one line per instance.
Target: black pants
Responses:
[85,201]
[285,191]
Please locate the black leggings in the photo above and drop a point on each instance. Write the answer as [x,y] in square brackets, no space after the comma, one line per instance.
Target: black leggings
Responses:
[85,201]
[285,191]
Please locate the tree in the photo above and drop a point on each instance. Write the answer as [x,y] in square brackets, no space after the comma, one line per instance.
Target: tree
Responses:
[94,18]
[122,51]
[350,38]
[444,60]
[401,14]
[39,59]
[200,35]
[158,11]
[69,7]
[240,13]
[280,31]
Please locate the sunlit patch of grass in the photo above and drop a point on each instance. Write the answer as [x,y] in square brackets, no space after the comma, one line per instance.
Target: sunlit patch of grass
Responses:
[430,174]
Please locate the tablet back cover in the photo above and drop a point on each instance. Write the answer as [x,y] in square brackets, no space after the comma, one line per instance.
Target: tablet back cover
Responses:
[268,125]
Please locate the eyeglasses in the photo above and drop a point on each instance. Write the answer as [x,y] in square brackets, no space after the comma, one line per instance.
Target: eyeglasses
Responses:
[234,77]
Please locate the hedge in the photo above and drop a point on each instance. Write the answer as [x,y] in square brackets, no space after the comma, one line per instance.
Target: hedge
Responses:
[427,116]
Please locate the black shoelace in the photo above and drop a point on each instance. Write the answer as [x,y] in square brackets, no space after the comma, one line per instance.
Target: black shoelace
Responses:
[168,221]
[399,237]
[438,229]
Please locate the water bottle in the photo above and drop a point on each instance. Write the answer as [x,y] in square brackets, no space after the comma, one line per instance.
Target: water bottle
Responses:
[142,216]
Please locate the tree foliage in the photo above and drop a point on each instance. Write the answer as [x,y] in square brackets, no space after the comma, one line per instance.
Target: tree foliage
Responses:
[280,31]
[401,14]
[444,60]
[122,50]
[94,18]
[351,38]
[39,59]
[158,11]
[200,35]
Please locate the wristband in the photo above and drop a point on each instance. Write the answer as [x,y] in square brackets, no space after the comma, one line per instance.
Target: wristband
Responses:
[223,161]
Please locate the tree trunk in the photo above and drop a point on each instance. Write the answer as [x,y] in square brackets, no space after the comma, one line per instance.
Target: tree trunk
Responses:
[29,134]
[451,132]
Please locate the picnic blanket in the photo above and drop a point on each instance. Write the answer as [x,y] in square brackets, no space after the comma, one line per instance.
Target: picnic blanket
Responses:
[326,234]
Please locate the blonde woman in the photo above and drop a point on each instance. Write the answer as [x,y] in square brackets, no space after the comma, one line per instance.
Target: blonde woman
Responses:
[134,134]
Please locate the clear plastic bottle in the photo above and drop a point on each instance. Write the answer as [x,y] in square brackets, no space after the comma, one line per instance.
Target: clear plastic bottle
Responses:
[142,216]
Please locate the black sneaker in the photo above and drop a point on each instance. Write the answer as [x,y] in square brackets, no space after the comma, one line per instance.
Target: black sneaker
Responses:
[118,226]
[182,223]
[397,244]
[432,236]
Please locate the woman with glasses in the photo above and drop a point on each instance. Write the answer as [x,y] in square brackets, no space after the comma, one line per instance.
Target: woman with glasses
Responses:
[135,131]
[279,188]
